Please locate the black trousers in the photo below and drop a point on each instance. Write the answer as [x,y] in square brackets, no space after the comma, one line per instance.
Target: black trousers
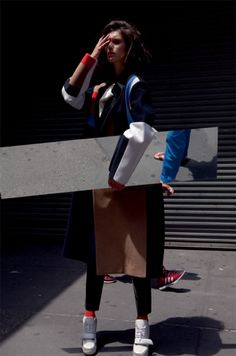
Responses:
[94,286]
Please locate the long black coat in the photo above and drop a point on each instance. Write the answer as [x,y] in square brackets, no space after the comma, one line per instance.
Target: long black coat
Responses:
[79,241]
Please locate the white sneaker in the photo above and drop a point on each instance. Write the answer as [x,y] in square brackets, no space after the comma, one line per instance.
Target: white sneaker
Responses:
[141,341]
[89,341]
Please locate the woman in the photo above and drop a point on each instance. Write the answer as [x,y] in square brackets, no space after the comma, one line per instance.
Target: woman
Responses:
[118,53]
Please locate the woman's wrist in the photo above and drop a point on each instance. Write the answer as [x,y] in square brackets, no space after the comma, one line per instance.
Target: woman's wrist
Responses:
[88,60]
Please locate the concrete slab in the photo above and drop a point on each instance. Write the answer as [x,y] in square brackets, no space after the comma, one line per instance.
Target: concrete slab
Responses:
[67,166]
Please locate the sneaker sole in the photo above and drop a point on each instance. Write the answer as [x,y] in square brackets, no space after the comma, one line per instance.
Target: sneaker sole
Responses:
[109,282]
[90,351]
[141,352]
[171,283]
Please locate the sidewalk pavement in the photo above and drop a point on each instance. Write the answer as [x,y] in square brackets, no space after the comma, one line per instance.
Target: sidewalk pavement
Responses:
[43,301]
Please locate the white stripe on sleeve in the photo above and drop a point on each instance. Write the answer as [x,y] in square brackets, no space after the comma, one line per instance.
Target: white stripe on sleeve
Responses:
[78,101]
[140,135]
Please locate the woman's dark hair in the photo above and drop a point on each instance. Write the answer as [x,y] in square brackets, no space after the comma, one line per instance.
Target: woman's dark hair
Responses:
[137,55]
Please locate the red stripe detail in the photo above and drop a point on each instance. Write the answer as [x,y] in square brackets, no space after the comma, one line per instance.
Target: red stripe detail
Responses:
[94,95]
[114,184]
[88,61]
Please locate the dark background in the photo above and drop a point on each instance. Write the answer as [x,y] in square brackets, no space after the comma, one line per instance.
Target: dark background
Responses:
[192,79]
[43,41]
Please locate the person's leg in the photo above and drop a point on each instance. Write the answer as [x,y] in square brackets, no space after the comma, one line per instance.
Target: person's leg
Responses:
[142,293]
[184,137]
[176,149]
[174,152]
[187,133]
[94,285]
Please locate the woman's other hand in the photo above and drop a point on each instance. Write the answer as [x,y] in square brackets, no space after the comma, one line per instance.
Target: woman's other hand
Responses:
[167,189]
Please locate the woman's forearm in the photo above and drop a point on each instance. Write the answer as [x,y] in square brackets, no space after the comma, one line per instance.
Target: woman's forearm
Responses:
[82,70]
[74,89]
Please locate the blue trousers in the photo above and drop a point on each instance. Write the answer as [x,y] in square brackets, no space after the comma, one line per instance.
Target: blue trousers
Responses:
[176,150]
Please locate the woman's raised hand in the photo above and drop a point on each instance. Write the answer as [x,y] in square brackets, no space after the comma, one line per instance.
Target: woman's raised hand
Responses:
[102,43]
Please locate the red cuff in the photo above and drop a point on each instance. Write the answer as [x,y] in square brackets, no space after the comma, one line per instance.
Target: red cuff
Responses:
[88,61]
[94,95]
[114,184]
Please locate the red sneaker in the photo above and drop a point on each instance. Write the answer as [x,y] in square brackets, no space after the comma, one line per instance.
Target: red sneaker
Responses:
[168,278]
[109,279]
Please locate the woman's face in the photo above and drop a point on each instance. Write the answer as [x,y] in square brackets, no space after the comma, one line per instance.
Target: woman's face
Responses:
[116,49]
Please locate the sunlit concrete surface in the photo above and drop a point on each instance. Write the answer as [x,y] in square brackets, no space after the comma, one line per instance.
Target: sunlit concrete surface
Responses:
[43,297]
[67,166]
